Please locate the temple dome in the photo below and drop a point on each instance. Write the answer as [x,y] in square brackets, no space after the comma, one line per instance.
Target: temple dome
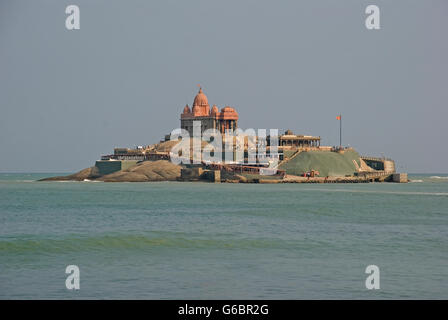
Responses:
[200,99]
[215,109]
[228,110]
[186,109]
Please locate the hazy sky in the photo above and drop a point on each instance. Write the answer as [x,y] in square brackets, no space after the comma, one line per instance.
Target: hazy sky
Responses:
[66,97]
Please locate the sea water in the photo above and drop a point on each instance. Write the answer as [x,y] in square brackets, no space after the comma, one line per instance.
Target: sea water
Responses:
[180,240]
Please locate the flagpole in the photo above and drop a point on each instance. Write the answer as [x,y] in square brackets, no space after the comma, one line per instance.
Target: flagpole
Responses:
[340,131]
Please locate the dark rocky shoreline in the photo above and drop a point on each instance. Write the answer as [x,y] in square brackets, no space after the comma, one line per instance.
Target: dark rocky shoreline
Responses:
[161,170]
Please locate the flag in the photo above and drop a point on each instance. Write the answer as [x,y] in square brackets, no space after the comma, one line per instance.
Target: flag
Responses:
[338,118]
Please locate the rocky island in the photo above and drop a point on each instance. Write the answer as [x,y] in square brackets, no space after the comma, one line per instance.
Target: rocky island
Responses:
[287,157]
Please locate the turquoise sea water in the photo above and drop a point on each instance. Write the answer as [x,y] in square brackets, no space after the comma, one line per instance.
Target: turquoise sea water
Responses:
[173,240]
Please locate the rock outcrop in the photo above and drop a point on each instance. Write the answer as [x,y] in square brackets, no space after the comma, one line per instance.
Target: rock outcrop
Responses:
[161,170]
[79,176]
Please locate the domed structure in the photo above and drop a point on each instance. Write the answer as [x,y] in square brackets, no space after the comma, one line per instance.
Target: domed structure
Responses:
[229,113]
[227,119]
[228,109]
[201,107]
[200,99]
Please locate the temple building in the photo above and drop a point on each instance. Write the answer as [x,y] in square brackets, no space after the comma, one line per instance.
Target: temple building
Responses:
[222,120]
[227,119]
[289,139]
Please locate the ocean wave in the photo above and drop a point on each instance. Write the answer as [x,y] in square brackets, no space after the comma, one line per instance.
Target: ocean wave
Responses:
[417,180]
[380,192]
[439,177]
[129,242]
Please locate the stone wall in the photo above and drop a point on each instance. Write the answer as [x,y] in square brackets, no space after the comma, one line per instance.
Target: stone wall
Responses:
[104,167]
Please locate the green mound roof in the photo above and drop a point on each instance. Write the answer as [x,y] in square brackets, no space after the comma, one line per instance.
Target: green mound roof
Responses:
[326,162]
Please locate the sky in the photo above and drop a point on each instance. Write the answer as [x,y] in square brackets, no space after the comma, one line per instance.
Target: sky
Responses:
[123,78]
